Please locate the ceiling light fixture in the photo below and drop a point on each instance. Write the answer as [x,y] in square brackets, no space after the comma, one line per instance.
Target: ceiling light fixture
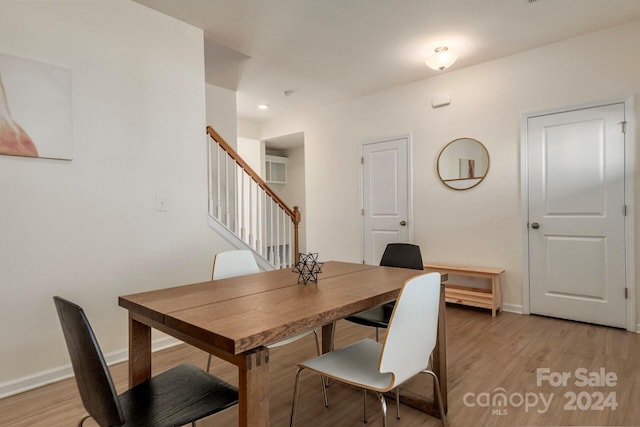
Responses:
[442,58]
[263,106]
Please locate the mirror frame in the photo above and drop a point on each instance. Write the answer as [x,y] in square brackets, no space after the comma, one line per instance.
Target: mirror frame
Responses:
[480,179]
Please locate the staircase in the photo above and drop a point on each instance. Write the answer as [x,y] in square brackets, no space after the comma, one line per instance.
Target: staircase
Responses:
[246,211]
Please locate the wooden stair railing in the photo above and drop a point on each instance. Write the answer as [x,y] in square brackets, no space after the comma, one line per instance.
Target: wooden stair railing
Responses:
[227,197]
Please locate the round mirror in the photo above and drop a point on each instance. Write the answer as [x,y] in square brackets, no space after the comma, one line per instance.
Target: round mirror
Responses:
[463,163]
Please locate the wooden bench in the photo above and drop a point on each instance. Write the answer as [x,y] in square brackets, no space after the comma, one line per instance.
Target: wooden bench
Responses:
[476,297]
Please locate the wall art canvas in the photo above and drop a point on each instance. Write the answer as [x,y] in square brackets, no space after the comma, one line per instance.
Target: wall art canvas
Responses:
[35,109]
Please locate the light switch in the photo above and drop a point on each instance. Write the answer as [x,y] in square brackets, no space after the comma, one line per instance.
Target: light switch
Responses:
[162,203]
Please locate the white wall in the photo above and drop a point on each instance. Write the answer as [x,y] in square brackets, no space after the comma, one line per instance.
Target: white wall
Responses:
[221,112]
[248,129]
[251,152]
[87,229]
[481,226]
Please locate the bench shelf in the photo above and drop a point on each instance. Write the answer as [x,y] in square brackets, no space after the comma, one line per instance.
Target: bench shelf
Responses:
[475,297]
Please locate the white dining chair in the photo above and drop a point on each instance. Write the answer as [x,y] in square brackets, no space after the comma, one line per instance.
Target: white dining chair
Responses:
[239,263]
[410,340]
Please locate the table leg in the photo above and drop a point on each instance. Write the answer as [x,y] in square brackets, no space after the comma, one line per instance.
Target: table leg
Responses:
[497,291]
[139,352]
[440,350]
[328,332]
[253,381]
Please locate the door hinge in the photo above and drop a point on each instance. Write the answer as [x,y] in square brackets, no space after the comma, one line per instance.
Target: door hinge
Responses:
[362,160]
[362,212]
[624,126]
[363,261]
[625,210]
[626,293]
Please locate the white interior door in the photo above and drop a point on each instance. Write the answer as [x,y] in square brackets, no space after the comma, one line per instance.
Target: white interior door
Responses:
[576,215]
[385,200]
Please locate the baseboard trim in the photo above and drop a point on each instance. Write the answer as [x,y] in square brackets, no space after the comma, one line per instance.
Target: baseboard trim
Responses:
[39,379]
[512,308]
[515,308]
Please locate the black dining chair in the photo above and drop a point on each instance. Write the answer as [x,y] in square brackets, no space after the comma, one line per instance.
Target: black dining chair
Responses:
[179,396]
[402,255]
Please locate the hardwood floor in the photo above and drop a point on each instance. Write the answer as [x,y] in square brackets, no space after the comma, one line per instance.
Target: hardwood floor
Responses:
[484,354]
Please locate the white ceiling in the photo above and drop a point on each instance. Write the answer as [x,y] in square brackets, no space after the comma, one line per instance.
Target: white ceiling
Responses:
[332,50]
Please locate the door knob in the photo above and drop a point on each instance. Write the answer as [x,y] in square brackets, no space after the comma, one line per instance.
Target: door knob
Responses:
[535,225]
[403,223]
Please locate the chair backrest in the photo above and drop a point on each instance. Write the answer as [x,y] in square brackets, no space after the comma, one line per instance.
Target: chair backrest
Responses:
[411,336]
[233,263]
[92,375]
[403,255]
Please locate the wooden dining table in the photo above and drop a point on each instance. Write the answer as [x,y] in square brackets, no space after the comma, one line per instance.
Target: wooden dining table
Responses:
[236,318]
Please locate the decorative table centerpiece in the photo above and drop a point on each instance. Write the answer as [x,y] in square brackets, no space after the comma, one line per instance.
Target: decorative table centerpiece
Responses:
[308,268]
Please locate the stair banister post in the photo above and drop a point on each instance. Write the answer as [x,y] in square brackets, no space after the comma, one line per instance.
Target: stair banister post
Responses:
[296,221]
